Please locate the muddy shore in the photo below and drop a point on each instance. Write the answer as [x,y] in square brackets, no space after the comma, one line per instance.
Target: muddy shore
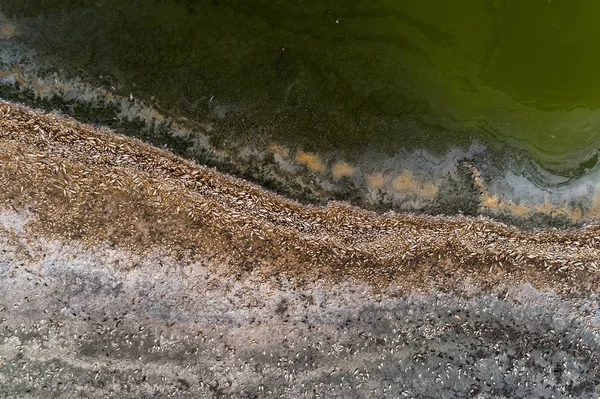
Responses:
[136,272]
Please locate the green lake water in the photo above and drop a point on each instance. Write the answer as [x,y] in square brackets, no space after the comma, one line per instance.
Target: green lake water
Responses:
[347,76]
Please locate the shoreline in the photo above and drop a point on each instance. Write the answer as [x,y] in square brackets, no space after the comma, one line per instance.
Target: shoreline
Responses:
[463,180]
[92,186]
[127,271]
[279,231]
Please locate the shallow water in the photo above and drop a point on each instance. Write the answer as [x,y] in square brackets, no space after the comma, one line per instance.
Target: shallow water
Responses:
[397,89]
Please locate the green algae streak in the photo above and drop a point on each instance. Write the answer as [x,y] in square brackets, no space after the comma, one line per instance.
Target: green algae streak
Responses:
[346,75]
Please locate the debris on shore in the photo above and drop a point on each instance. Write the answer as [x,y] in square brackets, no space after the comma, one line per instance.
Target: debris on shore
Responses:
[94,186]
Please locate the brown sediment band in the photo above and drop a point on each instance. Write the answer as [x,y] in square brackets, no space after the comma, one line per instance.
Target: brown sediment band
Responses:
[93,186]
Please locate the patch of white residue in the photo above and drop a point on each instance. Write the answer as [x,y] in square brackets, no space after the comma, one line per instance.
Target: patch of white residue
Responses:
[13,221]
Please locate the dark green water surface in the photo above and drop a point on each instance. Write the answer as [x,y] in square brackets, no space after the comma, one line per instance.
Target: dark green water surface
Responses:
[348,73]
[351,76]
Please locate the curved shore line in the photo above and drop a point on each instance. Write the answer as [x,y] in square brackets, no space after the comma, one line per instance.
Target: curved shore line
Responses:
[93,186]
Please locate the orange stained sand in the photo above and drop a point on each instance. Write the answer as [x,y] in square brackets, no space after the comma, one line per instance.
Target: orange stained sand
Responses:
[406,183]
[7,31]
[492,202]
[546,208]
[312,161]
[519,210]
[342,169]
[376,180]
[279,150]
[576,214]
[573,214]
[594,211]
